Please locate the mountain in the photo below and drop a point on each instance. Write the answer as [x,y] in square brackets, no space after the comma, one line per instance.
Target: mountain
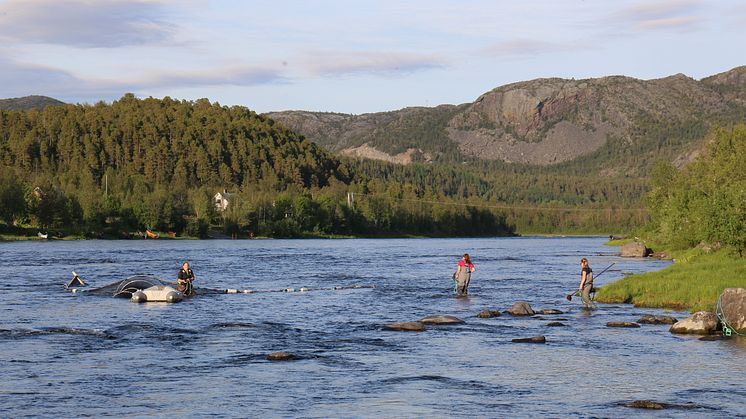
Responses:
[28,102]
[543,122]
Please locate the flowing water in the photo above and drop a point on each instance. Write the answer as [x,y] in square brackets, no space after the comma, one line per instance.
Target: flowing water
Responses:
[66,355]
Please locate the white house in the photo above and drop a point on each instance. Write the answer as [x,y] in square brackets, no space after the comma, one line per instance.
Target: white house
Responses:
[222,200]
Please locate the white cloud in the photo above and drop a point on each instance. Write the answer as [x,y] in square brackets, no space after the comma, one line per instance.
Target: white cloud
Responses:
[668,14]
[330,64]
[84,23]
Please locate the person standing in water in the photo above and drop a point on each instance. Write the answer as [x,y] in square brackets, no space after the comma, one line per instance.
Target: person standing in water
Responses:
[185,280]
[463,274]
[586,283]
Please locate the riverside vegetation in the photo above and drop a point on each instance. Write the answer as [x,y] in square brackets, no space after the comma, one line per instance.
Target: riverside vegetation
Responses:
[699,215]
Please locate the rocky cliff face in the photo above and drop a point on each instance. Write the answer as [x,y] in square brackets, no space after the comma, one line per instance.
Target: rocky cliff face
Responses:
[538,122]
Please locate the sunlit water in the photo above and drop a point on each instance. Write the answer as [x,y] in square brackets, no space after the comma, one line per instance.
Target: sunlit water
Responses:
[64,354]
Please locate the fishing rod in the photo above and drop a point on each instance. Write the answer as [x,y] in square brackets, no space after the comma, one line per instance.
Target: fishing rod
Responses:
[569,296]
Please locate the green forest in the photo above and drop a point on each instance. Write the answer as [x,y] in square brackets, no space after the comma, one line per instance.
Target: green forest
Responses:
[704,203]
[115,170]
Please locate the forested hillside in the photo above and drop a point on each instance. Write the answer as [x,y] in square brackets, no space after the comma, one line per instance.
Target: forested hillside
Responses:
[156,164]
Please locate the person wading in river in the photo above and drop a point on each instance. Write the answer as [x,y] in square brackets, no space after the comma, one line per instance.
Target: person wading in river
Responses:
[586,283]
[462,276]
[185,280]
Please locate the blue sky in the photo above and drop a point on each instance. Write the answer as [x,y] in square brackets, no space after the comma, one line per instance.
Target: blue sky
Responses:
[351,56]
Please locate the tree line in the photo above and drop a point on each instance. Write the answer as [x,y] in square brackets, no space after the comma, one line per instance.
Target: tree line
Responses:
[706,201]
[135,164]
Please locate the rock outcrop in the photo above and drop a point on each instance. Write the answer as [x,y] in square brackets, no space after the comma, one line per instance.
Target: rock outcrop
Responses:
[699,323]
[733,306]
[441,320]
[521,308]
[405,326]
[635,250]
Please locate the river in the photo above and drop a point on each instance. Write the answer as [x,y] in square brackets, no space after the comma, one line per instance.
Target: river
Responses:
[70,355]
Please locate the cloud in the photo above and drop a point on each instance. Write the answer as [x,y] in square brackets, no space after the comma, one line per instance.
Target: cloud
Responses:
[327,64]
[233,76]
[669,14]
[671,22]
[84,23]
[525,47]
[21,79]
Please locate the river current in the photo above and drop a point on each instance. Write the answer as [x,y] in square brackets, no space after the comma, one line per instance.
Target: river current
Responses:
[68,354]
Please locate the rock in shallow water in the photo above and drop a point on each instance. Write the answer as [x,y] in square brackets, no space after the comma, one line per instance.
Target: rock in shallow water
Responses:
[555,324]
[699,323]
[280,356]
[486,314]
[622,324]
[521,308]
[534,339]
[651,319]
[441,320]
[645,404]
[405,326]
[550,311]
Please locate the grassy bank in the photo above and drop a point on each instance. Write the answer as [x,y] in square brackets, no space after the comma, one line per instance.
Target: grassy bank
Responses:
[693,282]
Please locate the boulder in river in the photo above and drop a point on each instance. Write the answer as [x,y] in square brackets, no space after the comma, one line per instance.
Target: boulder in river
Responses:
[405,326]
[441,320]
[556,324]
[699,323]
[486,314]
[521,308]
[733,308]
[550,311]
[622,324]
[634,250]
[534,339]
[651,319]
[280,356]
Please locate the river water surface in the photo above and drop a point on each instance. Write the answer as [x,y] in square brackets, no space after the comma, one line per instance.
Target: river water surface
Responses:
[69,355]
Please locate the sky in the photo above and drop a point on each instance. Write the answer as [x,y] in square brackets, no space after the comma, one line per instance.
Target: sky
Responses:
[351,56]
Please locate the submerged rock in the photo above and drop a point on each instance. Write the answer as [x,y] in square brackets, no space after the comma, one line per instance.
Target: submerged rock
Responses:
[486,314]
[441,320]
[634,250]
[280,356]
[622,324]
[645,404]
[556,324]
[651,319]
[711,338]
[699,323]
[521,308]
[550,311]
[405,326]
[534,339]
[733,306]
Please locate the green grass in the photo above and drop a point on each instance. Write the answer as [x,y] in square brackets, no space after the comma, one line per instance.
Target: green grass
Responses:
[693,282]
